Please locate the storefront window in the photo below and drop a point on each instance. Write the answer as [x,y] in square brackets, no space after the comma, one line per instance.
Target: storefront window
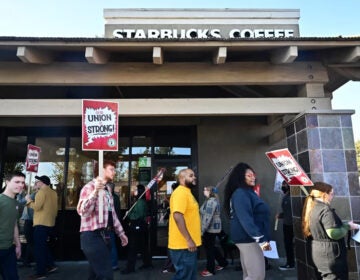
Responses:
[81,170]
[172,151]
[15,155]
[52,163]
[141,145]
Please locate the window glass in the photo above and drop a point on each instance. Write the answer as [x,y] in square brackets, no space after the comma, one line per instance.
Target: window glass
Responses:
[52,163]
[81,170]
[141,145]
[172,151]
[15,156]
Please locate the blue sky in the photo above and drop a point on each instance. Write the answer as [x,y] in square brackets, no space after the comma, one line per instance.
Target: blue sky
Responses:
[84,18]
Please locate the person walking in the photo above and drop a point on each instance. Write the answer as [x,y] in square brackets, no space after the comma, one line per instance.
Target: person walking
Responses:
[138,233]
[288,232]
[326,232]
[94,233]
[184,227]
[210,229]
[249,221]
[114,251]
[45,211]
[9,231]
[28,216]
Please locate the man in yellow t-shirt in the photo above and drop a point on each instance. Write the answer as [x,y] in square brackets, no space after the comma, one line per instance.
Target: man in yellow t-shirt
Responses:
[184,227]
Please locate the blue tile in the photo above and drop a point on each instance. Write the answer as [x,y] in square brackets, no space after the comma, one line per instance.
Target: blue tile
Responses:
[339,181]
[334,160]
[302,141]
[354,186]
[316,163]
[346,121]
[300,124]
[311,121]
[331,138]
[329,120]
[313,138]
[291,143]
[303,160]
[290,129]
[350,157]
[348,138]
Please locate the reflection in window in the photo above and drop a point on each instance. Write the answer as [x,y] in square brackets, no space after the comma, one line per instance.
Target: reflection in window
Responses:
[121,183]
[52,162]
[172,151]
[141,145]
[80,171]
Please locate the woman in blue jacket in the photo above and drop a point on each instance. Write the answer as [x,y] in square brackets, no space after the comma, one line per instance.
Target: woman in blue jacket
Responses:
[249,221]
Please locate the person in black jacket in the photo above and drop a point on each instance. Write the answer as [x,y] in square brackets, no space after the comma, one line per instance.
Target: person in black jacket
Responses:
[114,251]
[288,232]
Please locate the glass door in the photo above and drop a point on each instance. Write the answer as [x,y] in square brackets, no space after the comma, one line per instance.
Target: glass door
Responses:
[161,209]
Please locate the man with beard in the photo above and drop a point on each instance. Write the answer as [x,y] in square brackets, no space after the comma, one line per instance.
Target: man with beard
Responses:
[10,246]
[184,227]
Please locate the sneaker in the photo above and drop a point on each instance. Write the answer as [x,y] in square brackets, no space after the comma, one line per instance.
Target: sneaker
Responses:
[206,273]
[52,269]
[219,267]
[36,276]
[286,267]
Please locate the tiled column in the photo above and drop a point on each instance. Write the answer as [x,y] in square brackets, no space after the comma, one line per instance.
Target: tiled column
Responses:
[324,146]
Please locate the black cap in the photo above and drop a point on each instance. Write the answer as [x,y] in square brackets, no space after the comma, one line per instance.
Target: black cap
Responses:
[44,179]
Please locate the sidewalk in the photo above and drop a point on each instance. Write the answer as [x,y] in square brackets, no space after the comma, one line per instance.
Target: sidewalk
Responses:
[78,270]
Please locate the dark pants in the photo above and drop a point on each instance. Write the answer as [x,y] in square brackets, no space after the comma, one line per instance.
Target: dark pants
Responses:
[330,259]
[288,242]
[185,263]
[8,268]
[212,252]
[98,254]
[29,235]
[138,243]
[43,255]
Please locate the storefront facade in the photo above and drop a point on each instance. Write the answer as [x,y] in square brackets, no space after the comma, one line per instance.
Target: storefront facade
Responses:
[196,88]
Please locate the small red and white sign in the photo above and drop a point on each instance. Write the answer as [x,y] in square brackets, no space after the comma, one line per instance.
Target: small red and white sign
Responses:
[32,158]
[288,167]
[100,125]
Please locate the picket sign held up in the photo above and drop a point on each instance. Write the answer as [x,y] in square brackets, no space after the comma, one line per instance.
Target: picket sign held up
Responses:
[290,170]
[32,162]
[100,133]
[148,187]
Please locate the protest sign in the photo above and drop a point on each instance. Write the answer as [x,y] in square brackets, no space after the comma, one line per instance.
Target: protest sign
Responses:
[288,167]
[32,158]
[99,125]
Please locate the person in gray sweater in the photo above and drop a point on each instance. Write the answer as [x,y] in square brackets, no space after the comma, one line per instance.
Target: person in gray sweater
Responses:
[210,228]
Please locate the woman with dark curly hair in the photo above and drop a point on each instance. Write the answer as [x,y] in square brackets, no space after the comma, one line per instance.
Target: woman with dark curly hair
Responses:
[323,227]
[249,221]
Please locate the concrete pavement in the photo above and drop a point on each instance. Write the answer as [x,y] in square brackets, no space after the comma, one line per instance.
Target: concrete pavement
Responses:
[78,270]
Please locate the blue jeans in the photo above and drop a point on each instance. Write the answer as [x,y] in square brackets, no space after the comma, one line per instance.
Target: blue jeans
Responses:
[185,263]
[8,266]
[43,256]
[98,254]
[114,253]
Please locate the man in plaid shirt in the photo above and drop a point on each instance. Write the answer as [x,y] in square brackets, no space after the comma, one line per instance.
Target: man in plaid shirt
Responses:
[95,235]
